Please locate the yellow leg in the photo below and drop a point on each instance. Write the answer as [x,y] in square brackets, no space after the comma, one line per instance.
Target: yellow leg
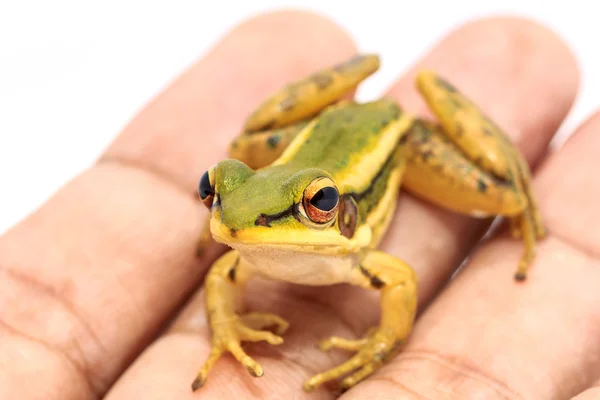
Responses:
[306,97]
[527,231]
[514,225]
[341,343]
[398,286]
[536,217]
[259,149]
[466,125]
[484,175]
[223,287]
[440,173]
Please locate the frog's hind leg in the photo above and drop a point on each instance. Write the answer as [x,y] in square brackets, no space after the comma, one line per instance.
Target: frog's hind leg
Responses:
[536,217]
[260,149]
[487,147]
[437,171]
[279,119]
[306,97]
[442,174]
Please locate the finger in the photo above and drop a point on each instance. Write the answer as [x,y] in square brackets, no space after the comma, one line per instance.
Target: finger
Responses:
[88,280]
[487,337]
[318,313]
[592,393]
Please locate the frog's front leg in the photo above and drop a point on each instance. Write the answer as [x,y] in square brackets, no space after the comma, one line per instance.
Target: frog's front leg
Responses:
[398,286]
[223,286]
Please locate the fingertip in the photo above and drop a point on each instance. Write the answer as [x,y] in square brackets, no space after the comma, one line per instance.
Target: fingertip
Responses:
[532,49]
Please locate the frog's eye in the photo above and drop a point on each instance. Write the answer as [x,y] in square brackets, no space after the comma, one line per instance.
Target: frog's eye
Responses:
[320,200]
[206,188]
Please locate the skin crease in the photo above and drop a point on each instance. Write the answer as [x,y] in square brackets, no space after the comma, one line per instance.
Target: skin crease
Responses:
[78,306]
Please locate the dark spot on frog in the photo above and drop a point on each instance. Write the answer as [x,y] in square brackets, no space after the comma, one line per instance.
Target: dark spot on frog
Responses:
[384,122]
[460,130]
[288,103]
[265,127]
[232,232]
[455,104]
[395,110]
[487,131]
[356,60]
[373,279]
[231,274]
[262,220]
[322,80]
[422,136]
[232,270]
[273,140]
[481,186]
[427,154]
[446,85]
[438,168]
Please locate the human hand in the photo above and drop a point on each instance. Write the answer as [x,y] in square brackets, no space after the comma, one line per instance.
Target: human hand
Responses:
[94,286]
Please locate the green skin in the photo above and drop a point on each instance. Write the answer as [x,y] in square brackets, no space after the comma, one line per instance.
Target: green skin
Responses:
[341,137]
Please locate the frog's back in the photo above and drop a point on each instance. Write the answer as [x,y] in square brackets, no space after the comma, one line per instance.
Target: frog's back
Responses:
[358,145]
[351,142]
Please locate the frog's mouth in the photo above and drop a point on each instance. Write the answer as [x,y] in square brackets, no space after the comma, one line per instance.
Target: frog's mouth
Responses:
[306,240]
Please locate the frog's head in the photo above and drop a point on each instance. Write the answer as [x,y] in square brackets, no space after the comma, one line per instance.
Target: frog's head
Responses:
[279,206]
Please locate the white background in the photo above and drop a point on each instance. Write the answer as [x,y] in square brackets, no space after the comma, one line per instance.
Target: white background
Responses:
[72,73]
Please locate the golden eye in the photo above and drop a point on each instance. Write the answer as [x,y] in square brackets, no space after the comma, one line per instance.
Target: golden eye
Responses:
[206,188]
[320,200]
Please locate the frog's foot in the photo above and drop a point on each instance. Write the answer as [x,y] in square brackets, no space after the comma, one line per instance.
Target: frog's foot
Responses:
[528,232]
[261,320]
[372,352]
[228,335]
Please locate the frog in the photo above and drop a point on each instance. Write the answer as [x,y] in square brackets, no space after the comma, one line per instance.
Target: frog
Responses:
[308,191]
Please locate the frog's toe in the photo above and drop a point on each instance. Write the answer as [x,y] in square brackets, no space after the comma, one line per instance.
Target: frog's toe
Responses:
[358,376]
[341,343]
[252,335]
[541,232]
[261,320]
[355,362]
[372,352]
[254,368]
[215,354]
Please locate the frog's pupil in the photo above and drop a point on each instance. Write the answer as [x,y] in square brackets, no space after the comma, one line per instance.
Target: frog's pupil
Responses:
[325,199]
[205,189]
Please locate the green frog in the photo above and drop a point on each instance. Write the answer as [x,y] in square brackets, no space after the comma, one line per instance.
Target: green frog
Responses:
[310,189]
